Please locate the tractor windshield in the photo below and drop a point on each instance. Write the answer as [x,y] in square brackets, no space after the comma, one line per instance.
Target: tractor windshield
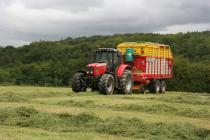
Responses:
[109,57]
[104,56]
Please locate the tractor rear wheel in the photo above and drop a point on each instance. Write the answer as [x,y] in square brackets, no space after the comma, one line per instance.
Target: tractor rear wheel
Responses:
[106,84]
[78,82]
[126,82]
[163,86]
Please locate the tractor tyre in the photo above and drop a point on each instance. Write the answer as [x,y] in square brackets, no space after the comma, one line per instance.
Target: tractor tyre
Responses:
[155,87]
[106,84]
[78,83]
[126,82]
[163,86]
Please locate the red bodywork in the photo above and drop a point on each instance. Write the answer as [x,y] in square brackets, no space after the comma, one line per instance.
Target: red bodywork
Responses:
[142,68]
[98,68]
[145,68]
[121,69]
[101,68]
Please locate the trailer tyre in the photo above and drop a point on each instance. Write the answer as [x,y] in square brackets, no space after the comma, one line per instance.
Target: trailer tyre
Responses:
[142,89]
[163,86]
[106,84]
[126,82]
[155,87]
[78,83]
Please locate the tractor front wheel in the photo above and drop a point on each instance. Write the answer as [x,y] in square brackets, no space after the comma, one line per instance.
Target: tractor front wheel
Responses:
[126,82]
[106,84]
[78,83]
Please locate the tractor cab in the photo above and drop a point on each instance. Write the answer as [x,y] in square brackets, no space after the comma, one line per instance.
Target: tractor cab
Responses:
[106,74]
[111,57]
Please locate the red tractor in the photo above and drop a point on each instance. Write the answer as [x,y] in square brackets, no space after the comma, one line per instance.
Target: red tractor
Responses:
[106,74]
[132,66]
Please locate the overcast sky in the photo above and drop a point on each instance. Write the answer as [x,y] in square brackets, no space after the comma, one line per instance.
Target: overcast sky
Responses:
[24,21]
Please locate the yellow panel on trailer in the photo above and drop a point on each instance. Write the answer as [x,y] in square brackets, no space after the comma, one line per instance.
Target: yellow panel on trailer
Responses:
[146,49]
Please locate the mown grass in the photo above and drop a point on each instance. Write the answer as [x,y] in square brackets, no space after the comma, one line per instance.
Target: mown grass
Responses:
[154,108]
[87,103]
[164,109]
[186,98]
[12,97]
[26,133]
[34,92]
[83,122]
[57,113]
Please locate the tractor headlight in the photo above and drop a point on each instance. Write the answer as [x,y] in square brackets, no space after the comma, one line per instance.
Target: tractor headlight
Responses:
[90,71]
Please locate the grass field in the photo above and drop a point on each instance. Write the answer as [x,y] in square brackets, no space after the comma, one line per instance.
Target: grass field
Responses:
[38,113]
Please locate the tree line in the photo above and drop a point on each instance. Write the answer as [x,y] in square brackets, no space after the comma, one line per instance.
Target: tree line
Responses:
[52,63]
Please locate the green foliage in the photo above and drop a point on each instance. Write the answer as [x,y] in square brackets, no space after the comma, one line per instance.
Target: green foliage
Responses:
[190,76]
[53,63]
[5,77]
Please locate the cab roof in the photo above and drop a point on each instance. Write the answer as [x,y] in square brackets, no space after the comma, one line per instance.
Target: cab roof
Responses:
[106,50]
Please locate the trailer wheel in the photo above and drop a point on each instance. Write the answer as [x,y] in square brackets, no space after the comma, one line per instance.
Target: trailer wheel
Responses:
[106,84]
[157,86]
[142,89]
[163,86]
[78,83]
[126,82]
[154,87]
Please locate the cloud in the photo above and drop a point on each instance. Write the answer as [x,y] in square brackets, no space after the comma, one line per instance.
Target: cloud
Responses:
[24,21]
[185,28]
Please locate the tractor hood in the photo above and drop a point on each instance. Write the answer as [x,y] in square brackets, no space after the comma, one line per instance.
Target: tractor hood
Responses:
[97,65]
[97,68]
